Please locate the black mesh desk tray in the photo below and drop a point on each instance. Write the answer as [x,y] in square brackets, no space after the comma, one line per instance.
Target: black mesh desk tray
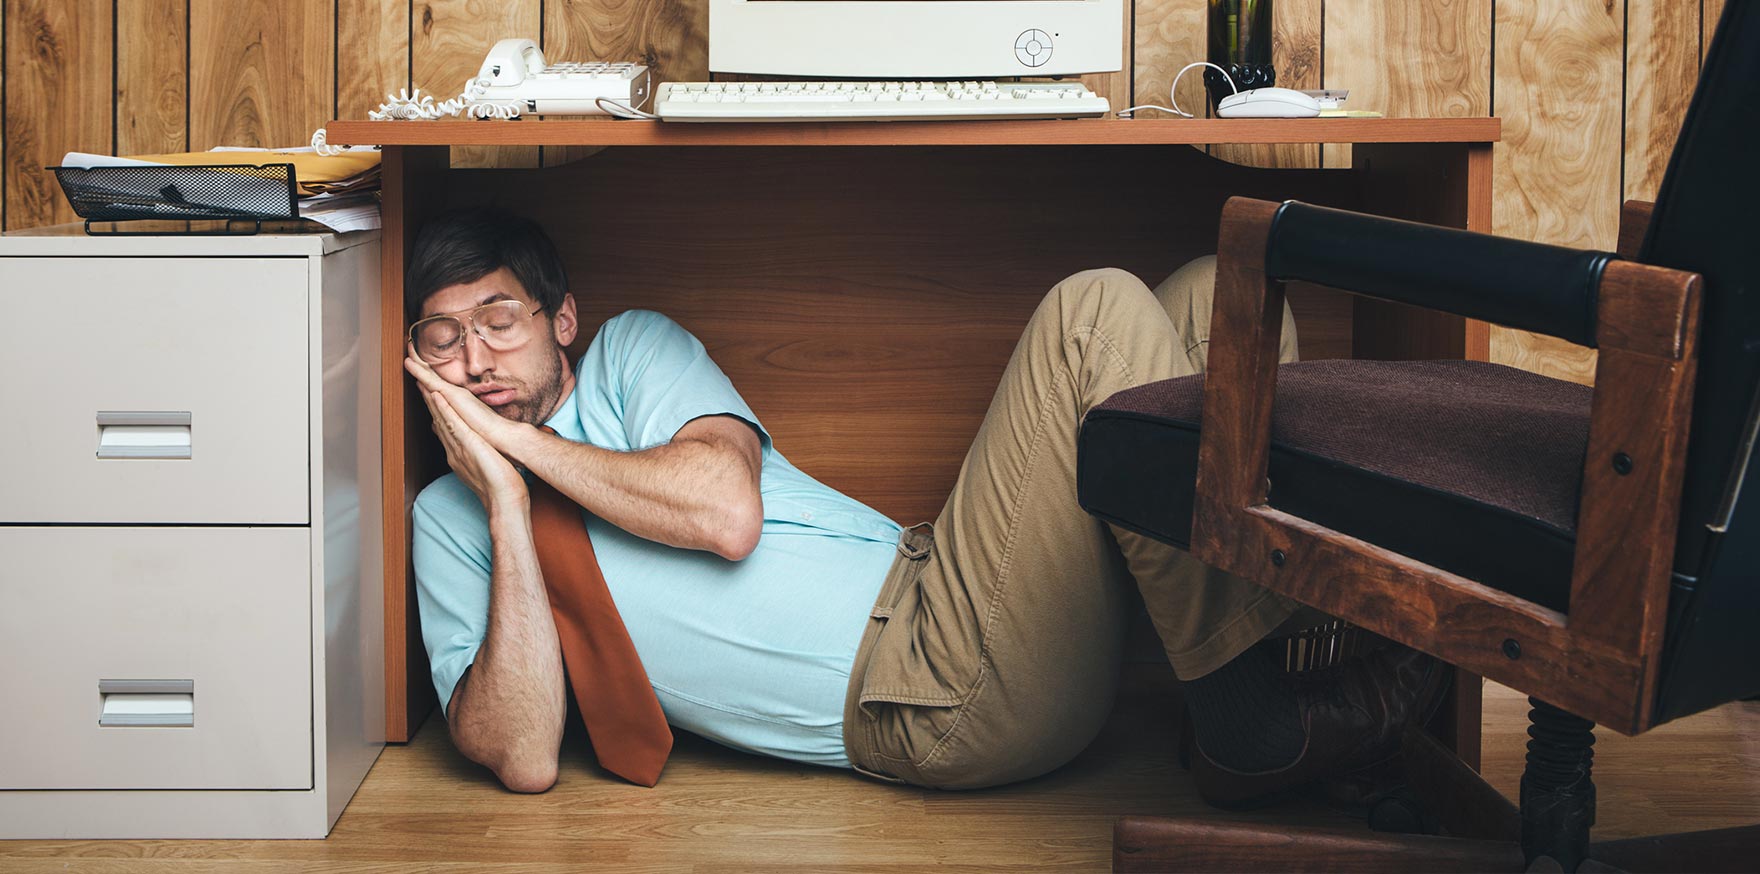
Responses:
[176,192]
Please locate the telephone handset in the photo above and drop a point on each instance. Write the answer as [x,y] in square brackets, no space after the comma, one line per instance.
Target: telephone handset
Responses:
[511,61]
[515,76]
[515,80]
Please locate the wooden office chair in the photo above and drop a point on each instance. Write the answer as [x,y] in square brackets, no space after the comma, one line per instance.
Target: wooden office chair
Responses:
[1596,549]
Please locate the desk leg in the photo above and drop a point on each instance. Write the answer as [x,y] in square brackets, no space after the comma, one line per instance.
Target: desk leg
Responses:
[1479,220]
[411,176]
[1445,184]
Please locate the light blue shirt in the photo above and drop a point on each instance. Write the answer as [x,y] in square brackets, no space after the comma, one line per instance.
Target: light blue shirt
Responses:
[754,654]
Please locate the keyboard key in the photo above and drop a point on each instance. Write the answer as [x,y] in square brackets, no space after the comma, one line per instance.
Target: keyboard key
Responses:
[874,100]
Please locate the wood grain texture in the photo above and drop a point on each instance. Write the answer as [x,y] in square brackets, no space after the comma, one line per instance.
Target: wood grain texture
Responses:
[1455,619]
[425,808]
[802,300]
[670,36]
[1169,34]
[1710,12]
[1295,56]
[152,77]
[447,45]
[1409,59]
[1454,791]
[261,71]
[1662,67]
[372,54]
[1558,167]
[1156,845]
[1100,132]
[1241,383]
[1480,204]
[412,177]
[1647,329]
[1701,772]
[1435,184]
[788,266]
[1634,221]
[58,68]
[1602,660]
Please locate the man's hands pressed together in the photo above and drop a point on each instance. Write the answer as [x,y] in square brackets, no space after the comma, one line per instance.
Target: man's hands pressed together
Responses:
[471,433]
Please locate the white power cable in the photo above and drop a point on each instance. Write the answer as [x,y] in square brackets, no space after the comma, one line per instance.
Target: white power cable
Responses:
[618,109]
[1173,91]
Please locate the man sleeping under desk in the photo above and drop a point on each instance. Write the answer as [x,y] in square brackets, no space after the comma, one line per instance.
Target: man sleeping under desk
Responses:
[716,587]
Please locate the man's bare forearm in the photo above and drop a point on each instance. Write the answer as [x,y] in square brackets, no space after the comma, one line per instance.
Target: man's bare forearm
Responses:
[508,712]
[696,492]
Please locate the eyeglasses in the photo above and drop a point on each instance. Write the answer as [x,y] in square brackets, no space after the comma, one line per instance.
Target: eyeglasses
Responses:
[503,326]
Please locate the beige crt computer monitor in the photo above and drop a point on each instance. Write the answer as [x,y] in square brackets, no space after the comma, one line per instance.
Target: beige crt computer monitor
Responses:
[916,39]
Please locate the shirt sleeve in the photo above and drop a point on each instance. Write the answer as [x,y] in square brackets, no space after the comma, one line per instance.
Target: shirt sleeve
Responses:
[451,553]
[657,377]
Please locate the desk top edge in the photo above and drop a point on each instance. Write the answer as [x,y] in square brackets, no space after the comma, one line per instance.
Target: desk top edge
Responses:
[1173,131]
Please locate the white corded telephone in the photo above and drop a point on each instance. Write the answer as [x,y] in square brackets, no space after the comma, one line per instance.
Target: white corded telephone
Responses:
[515,80]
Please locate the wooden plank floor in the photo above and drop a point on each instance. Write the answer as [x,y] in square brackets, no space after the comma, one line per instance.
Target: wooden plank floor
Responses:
[424,808]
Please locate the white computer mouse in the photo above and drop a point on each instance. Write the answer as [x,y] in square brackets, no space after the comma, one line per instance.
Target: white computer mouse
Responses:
[1268,103]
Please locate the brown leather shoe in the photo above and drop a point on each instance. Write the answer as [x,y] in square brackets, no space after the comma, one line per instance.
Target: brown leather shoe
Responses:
[1353,715]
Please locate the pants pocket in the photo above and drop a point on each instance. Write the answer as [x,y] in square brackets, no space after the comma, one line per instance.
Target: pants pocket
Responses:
[916,680]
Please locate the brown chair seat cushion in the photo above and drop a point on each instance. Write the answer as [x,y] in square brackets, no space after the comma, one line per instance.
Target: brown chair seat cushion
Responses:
[1471,467]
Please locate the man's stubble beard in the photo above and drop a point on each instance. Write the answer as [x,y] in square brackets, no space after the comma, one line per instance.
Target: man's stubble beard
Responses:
[547,390]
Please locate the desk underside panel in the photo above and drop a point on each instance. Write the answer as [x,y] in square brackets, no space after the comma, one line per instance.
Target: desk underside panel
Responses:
[865,301]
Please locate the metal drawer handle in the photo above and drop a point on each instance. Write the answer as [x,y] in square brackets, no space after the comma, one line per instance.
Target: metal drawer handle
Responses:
[147,703]
[144,434]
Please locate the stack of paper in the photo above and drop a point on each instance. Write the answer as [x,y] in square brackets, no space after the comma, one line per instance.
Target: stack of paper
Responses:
[340,192]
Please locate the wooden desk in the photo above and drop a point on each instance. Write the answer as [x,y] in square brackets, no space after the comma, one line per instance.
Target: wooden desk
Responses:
[865,294]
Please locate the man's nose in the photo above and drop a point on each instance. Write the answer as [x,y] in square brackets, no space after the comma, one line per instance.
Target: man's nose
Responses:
[478,358]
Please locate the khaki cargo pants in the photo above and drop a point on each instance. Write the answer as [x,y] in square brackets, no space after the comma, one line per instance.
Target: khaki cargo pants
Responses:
[993,652]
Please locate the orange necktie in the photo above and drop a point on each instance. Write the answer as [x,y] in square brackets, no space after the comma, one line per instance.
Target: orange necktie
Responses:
[623,718]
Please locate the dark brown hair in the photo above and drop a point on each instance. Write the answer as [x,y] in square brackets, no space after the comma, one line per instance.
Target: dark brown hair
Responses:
[469,244]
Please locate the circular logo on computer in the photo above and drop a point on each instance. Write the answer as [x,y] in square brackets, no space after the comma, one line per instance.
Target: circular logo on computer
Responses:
[1033,47]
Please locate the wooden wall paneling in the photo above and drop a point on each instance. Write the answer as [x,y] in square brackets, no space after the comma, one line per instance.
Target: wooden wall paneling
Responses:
[670,36]
[447,45]
[152,76]
[1558,166]
[1709,12]
[1409,59]
[1662,67]
[1168,35]
[58,76]
[262,72]
[850,363]
[1295,55]
[372,54]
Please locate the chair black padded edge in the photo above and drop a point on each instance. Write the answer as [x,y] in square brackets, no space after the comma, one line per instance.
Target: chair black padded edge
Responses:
[1532,286]
[1138,471]
[1705,222]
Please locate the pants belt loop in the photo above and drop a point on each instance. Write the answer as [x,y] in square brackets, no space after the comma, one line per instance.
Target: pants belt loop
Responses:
[913,545]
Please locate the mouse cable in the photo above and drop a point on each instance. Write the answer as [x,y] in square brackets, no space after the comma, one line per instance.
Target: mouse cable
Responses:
[1173,91]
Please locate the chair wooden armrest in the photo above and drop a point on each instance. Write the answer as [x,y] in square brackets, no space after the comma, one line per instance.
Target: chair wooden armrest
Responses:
[1599,659]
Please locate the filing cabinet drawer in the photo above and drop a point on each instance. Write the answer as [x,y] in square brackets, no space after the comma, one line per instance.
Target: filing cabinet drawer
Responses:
[155,390]
[155,658]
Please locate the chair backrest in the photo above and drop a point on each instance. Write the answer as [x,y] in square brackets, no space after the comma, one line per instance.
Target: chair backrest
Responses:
[1707,220]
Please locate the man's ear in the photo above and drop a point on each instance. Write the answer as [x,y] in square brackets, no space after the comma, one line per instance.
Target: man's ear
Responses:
[565,324]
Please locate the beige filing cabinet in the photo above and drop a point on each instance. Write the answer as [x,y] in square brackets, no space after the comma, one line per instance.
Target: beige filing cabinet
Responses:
[191,597]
